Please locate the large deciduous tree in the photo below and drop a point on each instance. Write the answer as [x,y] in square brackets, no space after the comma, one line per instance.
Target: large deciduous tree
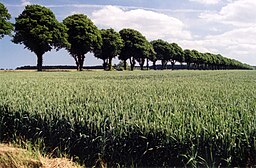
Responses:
[83,36]
[153,57]
[145,50]
[198,59]
[38,29]
[188,57]
[134,45]
[6,27]
[112,44]
[177,54]
[163,51]
[150,55]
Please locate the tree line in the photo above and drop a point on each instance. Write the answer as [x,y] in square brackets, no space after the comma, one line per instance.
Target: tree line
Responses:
[39,31]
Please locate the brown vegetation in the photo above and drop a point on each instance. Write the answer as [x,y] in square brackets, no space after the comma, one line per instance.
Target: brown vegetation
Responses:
[13,157]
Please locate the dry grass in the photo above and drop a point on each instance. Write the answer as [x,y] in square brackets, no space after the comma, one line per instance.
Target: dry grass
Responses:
[12,157]
[17,70]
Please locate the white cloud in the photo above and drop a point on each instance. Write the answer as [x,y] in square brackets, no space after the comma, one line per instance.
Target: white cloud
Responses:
[25,2]
[234,37]
[240,13]
[152,24]
[194,45]
[229,44]
[206,1]
[239,41]
[156,25]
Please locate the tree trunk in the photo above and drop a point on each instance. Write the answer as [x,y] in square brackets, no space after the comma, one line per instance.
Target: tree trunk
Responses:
[132,63]
[172,62]
[110,64]
[163,64]
[81,62]
[125,64]
[142,61]
[147,64]
[188,65]
[39,62]
[141,66]
[154,65]
[104,64]
[77,63]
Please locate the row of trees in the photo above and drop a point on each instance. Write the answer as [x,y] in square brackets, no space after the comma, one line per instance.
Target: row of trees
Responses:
[38,29]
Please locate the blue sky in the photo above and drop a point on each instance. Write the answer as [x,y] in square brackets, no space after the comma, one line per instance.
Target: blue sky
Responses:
[227,27]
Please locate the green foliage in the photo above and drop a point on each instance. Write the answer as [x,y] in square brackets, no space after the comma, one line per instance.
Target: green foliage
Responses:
[37,28]
[152,53]
[188,56]
[112,44]
[177,53]
[5,26]
[163,51]
[198,58]
[135,46]
[146,52]
[83,36]
[142,118]
[211,61]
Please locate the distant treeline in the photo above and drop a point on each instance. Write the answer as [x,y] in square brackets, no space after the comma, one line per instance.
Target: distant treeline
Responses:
[115,67]
[39,31]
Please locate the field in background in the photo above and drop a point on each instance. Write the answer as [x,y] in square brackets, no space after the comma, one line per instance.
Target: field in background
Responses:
[142,118]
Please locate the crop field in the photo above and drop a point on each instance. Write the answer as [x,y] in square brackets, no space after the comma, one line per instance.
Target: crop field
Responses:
[141,118]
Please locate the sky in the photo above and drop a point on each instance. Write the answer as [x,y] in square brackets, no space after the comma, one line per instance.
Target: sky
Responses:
[226,27]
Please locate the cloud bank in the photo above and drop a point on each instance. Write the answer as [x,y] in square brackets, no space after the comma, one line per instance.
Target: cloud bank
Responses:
[240,13]
[25,2]
[206,1]
[152,24]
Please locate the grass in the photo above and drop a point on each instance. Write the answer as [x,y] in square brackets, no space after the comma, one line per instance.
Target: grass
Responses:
[141,118]
[11,156]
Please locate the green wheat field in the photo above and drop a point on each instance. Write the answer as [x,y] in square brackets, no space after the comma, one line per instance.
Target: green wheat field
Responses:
[149,118]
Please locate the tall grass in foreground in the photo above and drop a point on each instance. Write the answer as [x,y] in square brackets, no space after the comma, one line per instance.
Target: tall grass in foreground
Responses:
[156,118]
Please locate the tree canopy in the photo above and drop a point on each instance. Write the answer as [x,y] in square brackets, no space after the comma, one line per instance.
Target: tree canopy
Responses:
[200,60]
[83,36]
[112,44]
[163,51]
[177,54]
[146,51]
[37,28]
[134,45]
[6,27]
[152,56]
